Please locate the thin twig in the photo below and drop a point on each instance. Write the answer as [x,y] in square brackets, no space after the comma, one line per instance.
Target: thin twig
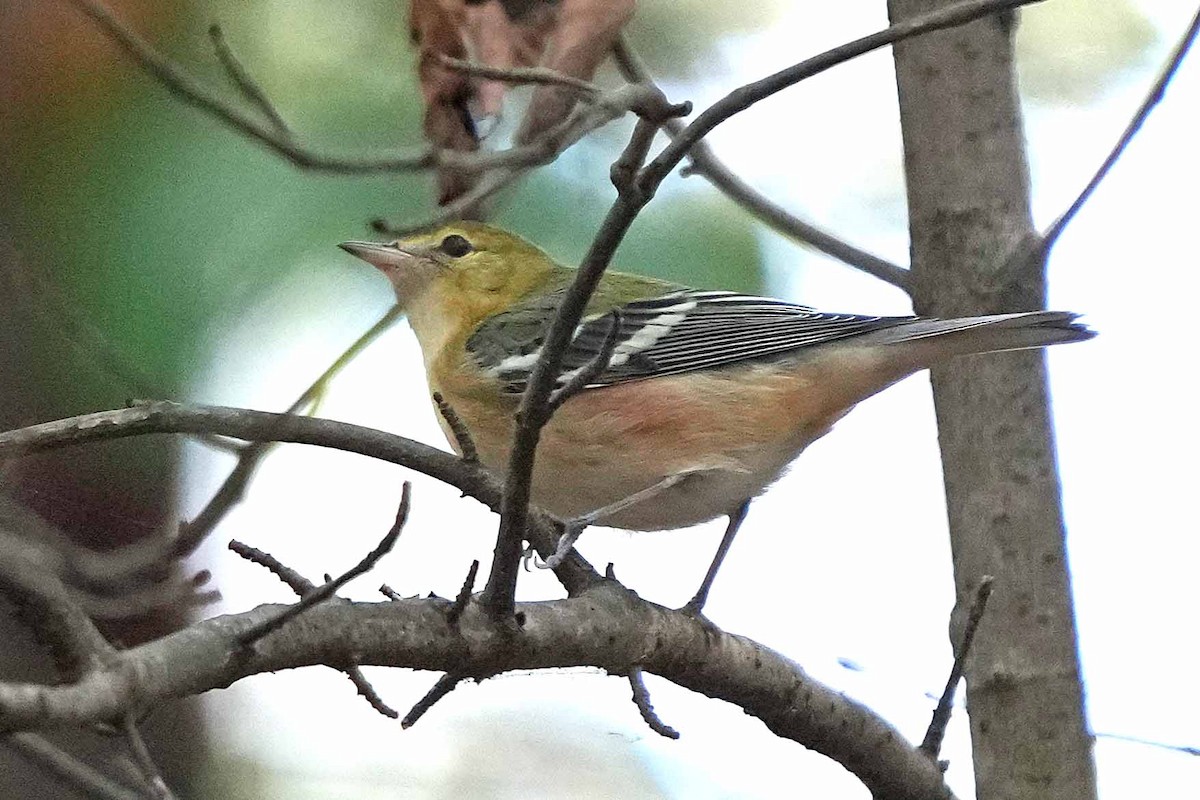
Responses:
[245,82]
[294,580]
[1174,748]
[641,698]
[326,590]
[367,692]
[44,603]
[458,429]
[464,595]
[508,166]
[624,170]
[122,570]
[534,411]
[185,87]
[707,165]
[444,686]
[949,16]
[593,368]
[1152,99]
[233,488]
[68,768]
[458,208]
[177,81]
[303,586]
[520,75]
[931,745]
[141,754]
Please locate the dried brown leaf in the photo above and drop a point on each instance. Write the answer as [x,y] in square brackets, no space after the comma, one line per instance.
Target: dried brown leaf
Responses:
[570,36]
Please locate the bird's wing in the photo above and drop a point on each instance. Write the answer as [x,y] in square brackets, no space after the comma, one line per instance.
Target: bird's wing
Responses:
[674,333]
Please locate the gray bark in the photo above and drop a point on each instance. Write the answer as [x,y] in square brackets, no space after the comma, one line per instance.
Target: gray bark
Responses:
[968,197]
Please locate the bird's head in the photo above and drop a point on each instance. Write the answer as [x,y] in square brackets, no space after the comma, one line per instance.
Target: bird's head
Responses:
[482,267]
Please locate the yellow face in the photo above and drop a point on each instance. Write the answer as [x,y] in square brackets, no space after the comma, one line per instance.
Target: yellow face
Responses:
[482,267]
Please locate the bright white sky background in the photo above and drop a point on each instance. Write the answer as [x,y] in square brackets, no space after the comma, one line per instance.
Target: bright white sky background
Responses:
[847,557]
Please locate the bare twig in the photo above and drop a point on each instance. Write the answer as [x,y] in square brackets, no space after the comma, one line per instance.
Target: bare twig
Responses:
[185,87]
[176,80]
[330,587]
[593,368]
[464,595]
[520,75]
[641,698]
[367,692]
[123,570]
[534,410]
[303,586]
[141,755]
[245,82]
[931,745]
[496,181]
[233,488]
[163,417]
[508,166]
[740,99]
[624,170]
[1152,99]
[1174,748]
[444,686]
[294,580]
[706,164]
[68,768]
[46,606]
[458,429]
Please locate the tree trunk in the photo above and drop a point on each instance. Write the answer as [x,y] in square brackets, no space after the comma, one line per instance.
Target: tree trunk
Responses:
[968,199]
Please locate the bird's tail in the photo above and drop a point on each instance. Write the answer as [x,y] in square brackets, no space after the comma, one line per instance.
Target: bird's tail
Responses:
[938,339]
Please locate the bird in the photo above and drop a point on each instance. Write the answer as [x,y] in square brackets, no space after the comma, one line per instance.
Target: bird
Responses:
[708,395]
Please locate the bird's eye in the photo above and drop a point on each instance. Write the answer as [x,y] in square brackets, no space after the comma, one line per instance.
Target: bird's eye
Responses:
[455,246]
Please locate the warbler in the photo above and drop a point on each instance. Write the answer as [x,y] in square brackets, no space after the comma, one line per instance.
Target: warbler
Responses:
[707,397]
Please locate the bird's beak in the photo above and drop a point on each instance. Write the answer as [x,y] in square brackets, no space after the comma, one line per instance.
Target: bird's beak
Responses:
[377,254]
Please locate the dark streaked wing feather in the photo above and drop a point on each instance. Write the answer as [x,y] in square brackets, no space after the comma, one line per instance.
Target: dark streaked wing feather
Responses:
[675,333]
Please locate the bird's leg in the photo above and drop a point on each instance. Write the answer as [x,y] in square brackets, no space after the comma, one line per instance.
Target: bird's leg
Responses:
[573,528]
[694,606]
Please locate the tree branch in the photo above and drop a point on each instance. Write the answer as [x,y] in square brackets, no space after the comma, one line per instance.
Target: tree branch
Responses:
[1152,99]
[931,745]
[46,606]
[245,82]
[261,426]
[303,586]
[622,632]
[521,75]
[327,590]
